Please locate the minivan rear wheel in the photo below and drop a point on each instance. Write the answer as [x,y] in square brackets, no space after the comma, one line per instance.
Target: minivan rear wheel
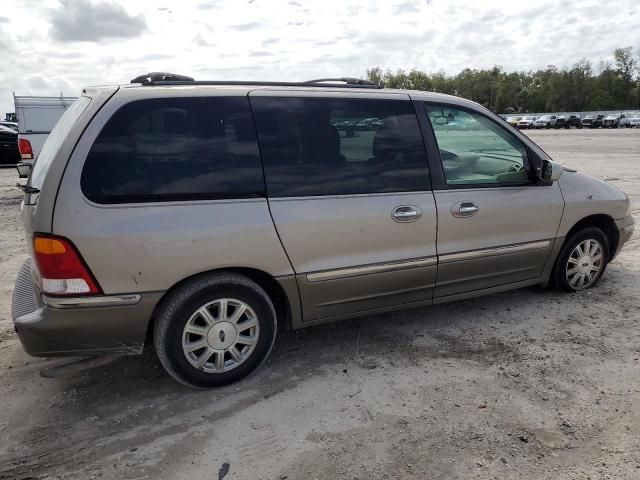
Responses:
[582,260]
[214,330]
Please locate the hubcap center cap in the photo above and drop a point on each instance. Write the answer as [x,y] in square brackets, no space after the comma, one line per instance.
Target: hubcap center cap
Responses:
[222,335]
[584,264]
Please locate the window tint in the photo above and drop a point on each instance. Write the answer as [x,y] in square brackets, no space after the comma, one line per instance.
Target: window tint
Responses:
[474,150]
[175,149]
[324,146]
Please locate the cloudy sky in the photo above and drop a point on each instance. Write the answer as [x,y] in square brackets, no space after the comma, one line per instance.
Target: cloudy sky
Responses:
[53,46]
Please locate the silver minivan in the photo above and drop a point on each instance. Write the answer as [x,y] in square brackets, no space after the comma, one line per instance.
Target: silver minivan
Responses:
[204,215]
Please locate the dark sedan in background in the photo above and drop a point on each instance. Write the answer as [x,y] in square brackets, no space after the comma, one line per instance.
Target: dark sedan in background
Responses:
[9,154]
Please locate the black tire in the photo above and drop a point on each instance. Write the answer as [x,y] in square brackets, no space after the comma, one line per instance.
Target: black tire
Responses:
[560,268]
[179,306]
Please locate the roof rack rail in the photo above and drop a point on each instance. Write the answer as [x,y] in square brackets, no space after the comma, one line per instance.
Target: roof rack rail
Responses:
[170,79]
[160,77]
[347,80]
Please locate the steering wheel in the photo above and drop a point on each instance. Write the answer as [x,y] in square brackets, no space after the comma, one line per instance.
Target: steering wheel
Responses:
[513,168]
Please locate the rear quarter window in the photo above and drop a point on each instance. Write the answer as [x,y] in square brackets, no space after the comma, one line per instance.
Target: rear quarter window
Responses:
[173,149]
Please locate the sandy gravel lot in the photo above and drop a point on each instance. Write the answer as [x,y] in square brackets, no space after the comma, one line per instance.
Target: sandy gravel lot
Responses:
[528,384]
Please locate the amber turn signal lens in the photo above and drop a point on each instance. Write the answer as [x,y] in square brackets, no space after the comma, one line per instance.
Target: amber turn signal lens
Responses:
[48,246]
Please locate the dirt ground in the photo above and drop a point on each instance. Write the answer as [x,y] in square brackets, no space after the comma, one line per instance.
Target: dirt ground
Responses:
[528,384]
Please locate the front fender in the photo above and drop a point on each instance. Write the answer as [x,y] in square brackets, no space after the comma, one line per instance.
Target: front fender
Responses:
[585,196]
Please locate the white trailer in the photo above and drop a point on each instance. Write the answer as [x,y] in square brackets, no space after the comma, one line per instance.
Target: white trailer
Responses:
[36,118]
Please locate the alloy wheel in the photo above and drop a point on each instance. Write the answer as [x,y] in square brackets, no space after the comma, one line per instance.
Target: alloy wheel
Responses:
[584,264]
[220,335]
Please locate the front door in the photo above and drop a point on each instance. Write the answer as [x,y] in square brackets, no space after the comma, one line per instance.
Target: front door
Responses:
[348,185]
[496,225]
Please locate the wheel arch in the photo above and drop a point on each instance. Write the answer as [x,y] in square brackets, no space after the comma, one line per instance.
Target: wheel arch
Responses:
[605,223]
[273,288]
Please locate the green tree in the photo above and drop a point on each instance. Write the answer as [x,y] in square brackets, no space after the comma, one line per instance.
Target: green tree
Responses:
[626,65]
[615,86]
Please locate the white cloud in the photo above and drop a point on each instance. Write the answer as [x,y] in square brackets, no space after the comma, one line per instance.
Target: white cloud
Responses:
[84,20]
[50,46]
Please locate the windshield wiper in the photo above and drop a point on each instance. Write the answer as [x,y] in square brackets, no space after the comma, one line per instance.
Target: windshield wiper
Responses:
[27,188]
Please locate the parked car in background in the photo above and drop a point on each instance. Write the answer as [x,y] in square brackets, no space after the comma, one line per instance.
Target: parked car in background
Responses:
[36,118]
[11,125]
[592,121]
[625,119]
[526,122]
[368,124]
[205,217]
[514,120]
[545,121]
[612,120]
[9,154]
[634,122]
[568,121]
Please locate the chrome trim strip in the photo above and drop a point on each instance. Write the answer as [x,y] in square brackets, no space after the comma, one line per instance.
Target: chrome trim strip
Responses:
[488,252]
[369,269]
[86,302]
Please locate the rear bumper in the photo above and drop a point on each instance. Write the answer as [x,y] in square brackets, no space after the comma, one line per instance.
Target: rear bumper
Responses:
[109,325]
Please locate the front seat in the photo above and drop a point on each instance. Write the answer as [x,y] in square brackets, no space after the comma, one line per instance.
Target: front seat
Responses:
[386,145]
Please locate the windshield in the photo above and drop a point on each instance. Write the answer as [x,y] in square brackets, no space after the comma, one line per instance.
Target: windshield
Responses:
[55,140]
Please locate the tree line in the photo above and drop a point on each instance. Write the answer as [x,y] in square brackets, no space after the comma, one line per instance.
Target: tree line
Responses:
[612,86]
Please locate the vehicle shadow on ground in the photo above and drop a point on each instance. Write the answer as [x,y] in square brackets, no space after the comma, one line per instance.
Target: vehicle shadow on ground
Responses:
[134,398]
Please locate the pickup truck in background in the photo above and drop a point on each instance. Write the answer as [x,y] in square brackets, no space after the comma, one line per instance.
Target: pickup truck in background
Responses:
[625,119]
[36,118]
[592,121]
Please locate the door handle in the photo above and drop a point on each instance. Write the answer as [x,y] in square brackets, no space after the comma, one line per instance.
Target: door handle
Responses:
[464,209]
[406,213]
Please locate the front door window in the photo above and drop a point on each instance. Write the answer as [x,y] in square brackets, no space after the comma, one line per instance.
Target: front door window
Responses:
[476,151]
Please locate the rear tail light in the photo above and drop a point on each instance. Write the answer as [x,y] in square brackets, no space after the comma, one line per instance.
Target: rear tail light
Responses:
[26,152]
[61,268]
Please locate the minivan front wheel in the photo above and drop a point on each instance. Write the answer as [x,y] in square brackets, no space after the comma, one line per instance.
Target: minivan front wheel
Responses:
[214,330]
[582,260]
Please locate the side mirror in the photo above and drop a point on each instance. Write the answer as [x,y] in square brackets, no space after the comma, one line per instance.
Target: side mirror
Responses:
[550,171]
[441,120]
